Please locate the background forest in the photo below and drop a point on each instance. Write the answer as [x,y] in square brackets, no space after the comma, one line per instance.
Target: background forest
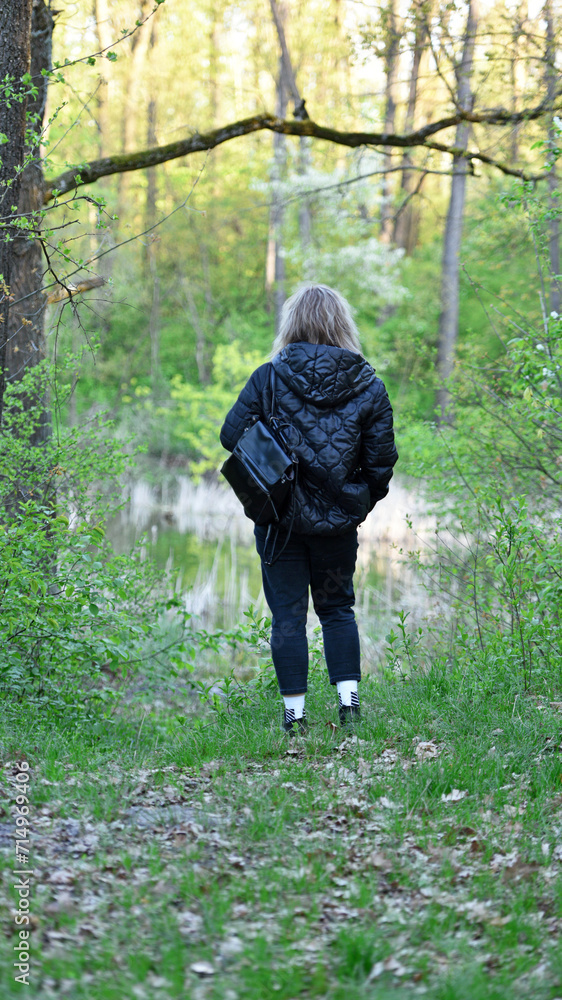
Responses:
[169,173]
[198,253]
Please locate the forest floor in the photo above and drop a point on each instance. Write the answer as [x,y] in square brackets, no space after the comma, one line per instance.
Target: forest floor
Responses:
[212,857]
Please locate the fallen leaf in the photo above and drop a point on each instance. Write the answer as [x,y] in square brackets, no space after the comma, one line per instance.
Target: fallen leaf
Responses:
[503,860]
[475,909]
[189,922]
[236,861]
[315,944]
[426,750]
[387,803]
[202,968]
[476,846]
[56,937]
[389,964]
[60,876]
[378,860]
[519,870]
[159,982]
[455,795]
[64,903]
[231,946]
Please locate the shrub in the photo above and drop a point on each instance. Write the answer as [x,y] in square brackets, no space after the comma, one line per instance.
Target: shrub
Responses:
[72,611]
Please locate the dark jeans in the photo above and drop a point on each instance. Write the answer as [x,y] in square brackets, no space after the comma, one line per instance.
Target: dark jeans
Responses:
[325,564]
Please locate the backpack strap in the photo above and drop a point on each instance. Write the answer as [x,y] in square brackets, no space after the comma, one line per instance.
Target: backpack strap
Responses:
[274,422]
[274,558]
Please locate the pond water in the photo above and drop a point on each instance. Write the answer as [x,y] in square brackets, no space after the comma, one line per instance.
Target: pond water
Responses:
[198,534]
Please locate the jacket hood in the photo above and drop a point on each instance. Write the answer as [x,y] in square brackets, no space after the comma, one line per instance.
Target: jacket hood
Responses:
[323,375]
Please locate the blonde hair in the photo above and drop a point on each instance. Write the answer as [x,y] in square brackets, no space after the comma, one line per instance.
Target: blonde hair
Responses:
[319,315]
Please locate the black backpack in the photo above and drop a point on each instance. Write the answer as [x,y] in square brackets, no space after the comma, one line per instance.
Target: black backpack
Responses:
[262,473]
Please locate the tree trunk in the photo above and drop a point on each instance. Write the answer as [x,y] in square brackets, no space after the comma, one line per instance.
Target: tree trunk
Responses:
[26,337]
[392,49]
[553,142]
[275,261]
[198,324]
[105,100]
[278,206]
[150,221]
[407,219]
[515,71]
[303,162]
[103,94]
[135,64]
[214,49]
[449,318]
[15,37]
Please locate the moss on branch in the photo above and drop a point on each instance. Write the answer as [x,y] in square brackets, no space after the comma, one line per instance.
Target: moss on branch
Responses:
[88,173]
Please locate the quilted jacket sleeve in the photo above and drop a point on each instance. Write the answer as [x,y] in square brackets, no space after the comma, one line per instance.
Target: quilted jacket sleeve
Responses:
[247,408]
[378,453]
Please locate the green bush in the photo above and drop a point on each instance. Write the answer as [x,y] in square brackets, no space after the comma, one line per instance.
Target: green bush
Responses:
[73,614]
[492,478]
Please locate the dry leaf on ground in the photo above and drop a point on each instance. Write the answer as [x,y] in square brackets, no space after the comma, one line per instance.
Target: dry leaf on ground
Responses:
[202,968]
[426,750]
[455,795]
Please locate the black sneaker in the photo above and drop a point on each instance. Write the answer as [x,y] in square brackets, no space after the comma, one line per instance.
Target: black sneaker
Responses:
[350,715]
[295,727]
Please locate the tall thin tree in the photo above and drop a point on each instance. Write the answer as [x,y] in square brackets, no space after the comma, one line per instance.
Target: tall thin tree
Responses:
[391,30]
[553,142]
[275,260]
[406,219]
[449,316]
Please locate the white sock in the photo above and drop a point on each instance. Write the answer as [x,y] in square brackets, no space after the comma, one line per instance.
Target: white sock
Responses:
[294,706]
[347,691]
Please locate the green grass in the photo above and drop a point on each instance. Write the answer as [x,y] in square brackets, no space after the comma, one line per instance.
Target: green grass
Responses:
[308,868]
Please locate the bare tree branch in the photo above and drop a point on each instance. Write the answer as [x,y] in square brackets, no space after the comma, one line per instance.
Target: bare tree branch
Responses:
[69,291]
[88,173]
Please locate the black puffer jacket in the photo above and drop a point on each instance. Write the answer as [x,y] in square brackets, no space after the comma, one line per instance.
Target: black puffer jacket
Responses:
[337,418]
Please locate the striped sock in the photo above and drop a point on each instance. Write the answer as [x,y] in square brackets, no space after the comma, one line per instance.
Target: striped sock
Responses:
[349,708]
[348,693]
[294,721]
[294,707]
[290,717]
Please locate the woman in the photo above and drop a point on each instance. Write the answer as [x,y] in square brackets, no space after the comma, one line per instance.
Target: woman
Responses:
[336,417]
